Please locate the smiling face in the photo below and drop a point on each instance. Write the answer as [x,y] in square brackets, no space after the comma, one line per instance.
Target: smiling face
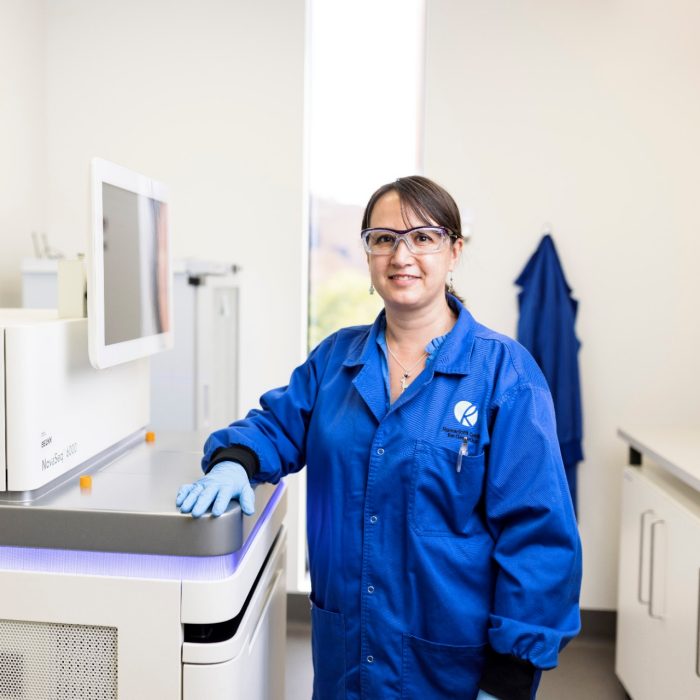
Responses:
[405,280]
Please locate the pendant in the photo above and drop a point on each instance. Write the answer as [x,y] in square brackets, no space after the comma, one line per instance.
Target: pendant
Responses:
[403,382]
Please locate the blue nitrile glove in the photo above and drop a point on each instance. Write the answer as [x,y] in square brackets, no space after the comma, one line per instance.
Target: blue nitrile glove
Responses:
[483,695]
[225,481]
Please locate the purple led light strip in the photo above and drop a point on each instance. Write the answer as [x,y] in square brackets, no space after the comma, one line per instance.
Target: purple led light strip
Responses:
[153,566]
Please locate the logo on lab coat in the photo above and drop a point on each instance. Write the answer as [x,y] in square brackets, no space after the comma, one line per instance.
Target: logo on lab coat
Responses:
[466,413]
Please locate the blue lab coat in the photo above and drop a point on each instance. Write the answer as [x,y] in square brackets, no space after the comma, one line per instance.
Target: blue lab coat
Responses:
[418,562]
[546,329]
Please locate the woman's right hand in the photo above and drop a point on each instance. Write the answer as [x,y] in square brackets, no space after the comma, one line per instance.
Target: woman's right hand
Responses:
[225,481]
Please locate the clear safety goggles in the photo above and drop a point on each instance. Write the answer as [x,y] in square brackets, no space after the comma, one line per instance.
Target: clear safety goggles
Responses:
[420,240]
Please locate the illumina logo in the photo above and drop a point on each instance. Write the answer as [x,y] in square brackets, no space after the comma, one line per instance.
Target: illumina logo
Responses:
[466,413]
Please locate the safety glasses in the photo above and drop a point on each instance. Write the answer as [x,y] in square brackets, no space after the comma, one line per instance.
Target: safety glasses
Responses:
[421,240]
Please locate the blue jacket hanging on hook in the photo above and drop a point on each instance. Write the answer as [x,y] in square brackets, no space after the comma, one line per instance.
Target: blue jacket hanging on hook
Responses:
[546,329]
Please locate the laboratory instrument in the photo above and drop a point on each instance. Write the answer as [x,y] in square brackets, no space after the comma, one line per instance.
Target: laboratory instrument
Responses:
[106,589]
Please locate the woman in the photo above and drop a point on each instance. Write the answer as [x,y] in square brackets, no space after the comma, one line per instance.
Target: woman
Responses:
[444,555]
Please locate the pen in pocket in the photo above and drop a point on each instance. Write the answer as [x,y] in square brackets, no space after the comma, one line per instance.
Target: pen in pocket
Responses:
[463,450]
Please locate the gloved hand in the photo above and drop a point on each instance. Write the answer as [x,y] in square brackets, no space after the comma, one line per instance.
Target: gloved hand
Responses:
[483,695]
[225,481]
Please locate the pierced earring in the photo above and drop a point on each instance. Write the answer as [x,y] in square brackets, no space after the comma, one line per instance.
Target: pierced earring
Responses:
[450,285]
[371,288]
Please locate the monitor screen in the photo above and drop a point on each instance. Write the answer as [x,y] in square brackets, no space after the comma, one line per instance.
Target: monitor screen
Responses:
[129,270]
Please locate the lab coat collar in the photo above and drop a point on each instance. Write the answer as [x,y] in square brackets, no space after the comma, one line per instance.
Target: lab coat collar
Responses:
[362,349]
[453,356]
[369,381]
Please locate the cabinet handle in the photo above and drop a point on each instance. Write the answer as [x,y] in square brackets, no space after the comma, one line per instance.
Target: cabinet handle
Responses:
[224,306]
[658,559]
[642,592]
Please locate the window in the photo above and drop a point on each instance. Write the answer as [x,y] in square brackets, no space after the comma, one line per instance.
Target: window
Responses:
[365,107]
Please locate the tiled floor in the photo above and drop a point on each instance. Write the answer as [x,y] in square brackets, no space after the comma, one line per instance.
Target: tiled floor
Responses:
[299,675]
[585,671]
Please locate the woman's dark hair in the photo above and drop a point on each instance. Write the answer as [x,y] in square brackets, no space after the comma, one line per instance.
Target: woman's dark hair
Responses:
[426,200]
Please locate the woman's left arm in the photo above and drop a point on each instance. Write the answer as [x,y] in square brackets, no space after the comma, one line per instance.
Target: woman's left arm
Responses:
[537,548]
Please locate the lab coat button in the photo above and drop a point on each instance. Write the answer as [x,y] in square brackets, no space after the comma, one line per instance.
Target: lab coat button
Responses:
[370,589]
[370,659]
[380,451]
[373,519]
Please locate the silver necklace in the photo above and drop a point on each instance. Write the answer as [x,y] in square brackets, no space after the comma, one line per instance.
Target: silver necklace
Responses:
[406,372]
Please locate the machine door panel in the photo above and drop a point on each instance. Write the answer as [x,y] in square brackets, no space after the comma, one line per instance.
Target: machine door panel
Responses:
[257,669]
[72,637]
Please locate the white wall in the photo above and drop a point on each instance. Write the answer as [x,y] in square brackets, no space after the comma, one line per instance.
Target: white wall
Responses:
[22,142]
[583,114]
[207,96]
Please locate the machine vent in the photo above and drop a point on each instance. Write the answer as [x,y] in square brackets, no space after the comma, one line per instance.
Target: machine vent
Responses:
[43,661]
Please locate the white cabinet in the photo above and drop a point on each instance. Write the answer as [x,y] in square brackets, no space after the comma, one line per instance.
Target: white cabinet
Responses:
[659,586]
[636,628]
[679,651]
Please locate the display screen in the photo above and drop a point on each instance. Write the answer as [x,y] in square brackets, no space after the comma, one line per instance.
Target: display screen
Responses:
[135,265]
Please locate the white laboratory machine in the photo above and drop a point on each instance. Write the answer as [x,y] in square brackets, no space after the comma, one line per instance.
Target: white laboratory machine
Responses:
[106,590]
[194,385]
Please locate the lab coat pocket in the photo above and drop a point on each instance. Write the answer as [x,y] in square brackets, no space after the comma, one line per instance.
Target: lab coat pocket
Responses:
[328,653]
[446,489]
[433,670]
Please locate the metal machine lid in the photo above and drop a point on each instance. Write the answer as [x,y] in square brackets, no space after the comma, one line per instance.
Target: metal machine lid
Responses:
[130,507]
